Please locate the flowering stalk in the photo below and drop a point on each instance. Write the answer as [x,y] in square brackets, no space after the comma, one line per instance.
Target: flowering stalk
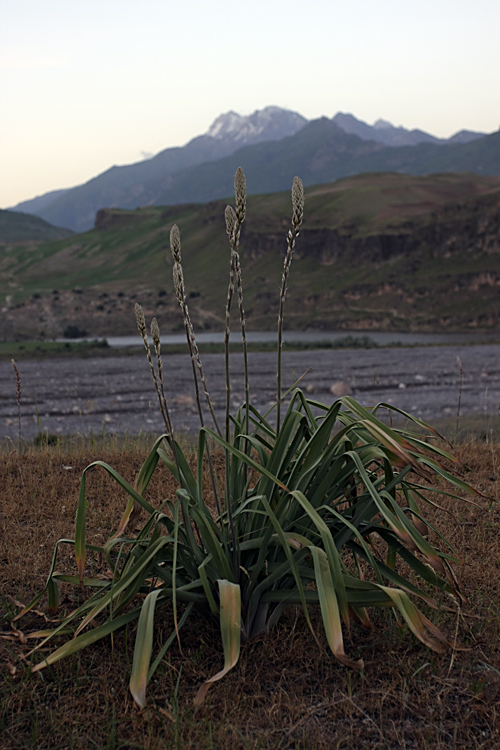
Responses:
[175,247]
[293,233]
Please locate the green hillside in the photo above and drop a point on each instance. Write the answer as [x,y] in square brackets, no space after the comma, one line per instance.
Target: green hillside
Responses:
[21,227]
[376,251]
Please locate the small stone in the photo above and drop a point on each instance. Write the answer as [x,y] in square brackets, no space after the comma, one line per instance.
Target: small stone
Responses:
[340,389]
[183,400]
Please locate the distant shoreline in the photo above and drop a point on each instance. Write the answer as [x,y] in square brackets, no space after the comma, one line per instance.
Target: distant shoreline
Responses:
[258,341]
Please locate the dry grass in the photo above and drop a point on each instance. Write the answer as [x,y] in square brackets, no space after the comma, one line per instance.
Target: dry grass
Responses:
[284,693]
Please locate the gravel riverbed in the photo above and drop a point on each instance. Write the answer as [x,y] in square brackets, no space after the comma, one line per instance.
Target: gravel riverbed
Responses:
[115,394]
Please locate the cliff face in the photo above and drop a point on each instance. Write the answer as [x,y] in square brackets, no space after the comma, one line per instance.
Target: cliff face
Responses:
[378,252]
[441,273]
[442,236]
[115,218]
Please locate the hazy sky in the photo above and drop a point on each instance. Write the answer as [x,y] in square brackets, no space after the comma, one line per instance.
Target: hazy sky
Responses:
[85,84]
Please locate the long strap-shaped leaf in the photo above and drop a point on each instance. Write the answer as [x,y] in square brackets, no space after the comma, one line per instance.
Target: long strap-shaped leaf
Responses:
[419,625]
[293,565]
[85,639]
[143,648]
[331,552]
[80,526]
[141,669]
[330,608]
[141,483]
[249,461]
[134,576]
[37,598]
[230,628]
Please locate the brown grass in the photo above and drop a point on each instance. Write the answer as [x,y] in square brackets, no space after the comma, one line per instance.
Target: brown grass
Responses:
[285,692]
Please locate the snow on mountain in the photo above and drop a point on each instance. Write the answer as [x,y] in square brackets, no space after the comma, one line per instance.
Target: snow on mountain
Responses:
[150,181]
[268,124]
[381,124]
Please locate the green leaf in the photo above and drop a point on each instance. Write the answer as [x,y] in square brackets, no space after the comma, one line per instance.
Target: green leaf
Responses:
[85,639]
[329,608]
[143,648]
[331,553]
[230,628]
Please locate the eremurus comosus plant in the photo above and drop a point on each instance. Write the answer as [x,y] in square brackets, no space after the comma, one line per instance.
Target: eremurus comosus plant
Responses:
[320,506]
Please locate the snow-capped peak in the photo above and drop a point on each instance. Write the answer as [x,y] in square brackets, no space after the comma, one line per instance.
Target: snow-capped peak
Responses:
[268,124]
[382,124]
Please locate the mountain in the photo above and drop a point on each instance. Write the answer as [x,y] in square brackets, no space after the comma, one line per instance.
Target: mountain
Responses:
[40,202]
[127,186]
[25,228]
[272,145]
[384,132]
[320,152]
[378,251]
[269,124]
[465,136]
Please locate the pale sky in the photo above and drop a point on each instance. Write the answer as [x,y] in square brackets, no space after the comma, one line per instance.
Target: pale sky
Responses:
[85,84]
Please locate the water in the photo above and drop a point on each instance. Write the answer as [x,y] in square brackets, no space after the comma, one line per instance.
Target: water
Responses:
[381,338]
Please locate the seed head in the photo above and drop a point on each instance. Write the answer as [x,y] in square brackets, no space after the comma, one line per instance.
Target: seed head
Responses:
[240,192]
[231,222]
[141,320]
[175,243]
[178,282]
[18,380]
[155,333]
[297,202]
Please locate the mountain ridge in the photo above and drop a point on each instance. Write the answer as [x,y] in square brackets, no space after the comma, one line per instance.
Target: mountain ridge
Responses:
[175,174]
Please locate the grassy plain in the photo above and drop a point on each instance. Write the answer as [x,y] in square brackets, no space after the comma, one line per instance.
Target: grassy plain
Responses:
[284,693]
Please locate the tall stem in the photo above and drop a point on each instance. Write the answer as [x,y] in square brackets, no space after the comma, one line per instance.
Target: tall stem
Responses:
[293,233]
[175,247]
[244,341]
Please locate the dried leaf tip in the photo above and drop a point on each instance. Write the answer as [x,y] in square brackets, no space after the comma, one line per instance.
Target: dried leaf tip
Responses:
[175,243]
[231,222]
[240,193]
[297,202]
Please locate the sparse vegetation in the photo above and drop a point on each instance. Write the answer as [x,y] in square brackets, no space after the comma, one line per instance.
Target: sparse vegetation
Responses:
[285,692]
[321,506]
[73,332]
[40,349]
[424,249]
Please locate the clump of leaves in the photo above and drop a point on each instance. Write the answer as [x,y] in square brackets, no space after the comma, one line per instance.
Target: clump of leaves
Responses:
[320,506]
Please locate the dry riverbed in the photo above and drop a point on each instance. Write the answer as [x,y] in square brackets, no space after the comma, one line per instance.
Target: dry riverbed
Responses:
[115,394]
